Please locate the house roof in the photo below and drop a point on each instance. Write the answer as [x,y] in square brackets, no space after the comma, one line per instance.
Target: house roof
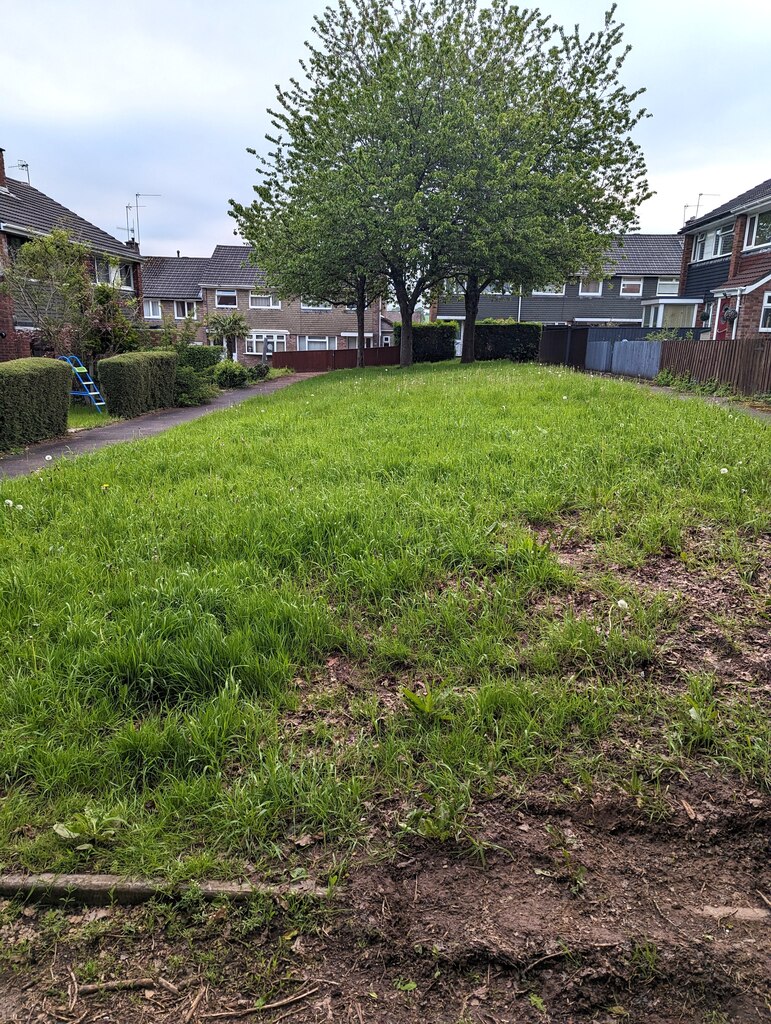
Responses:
[173,277]
[28,211]
[645,255]
[229,267]
[757,194]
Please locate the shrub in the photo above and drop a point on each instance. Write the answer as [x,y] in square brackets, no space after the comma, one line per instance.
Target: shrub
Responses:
[258,372]
[230,375]
[507,339]
[199,357]
[138,382]
[34,399]
[191,388]
[431,342]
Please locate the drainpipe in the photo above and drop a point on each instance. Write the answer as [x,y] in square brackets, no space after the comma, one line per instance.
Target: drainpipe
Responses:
[519,306]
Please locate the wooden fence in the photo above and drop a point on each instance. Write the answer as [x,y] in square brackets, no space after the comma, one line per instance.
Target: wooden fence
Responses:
[563,345]
[334,359]
[745,365]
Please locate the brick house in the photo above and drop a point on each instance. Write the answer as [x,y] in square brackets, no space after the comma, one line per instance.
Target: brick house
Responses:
[725,276]
[638,268]
[25,213]
[226,283]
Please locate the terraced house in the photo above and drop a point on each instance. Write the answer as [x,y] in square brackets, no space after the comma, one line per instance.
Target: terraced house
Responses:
[725,276]
[638,268]
[25,212]
[225,282]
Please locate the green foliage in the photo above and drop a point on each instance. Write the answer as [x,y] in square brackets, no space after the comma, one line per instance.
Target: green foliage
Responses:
[669,334]
[226,327]
[191,388]
[231,375]
[34,400]
[177,334]
[685,382]
[432,342]
[199,357]
[507,339]
[137,382]
[258,372]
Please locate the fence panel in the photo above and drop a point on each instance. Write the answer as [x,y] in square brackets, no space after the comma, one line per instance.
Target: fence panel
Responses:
[563,345]
[599,355]
[631,358]
[743,364]
[334,359]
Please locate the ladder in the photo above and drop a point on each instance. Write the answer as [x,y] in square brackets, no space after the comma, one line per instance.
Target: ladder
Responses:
[84,384]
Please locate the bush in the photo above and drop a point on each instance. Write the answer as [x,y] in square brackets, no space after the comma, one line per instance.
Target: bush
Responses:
[258,372]
[431,342]
[199,357]
[138,382]
[507,339]
[191,388]
[230,375]
[34,400]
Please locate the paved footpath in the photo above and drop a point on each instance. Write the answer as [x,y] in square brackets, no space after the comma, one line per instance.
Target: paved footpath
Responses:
[152,423]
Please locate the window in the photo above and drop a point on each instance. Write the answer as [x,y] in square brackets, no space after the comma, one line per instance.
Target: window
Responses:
[102,273]
[256,340]
[708,244]
[350,307]
[307,343]
[589,288]
[709,309]
[758,230]
[651,316]
[183,309]
[308,304]
[263,301]
[227,299]
[385,340]
[125,275]
[152,309]
[550,289]
[765,313]
[667,286]
[631,287]
[724,240]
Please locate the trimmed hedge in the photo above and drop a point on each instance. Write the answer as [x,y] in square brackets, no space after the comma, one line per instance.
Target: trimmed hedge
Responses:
[137,382]
[200,357]
[34,400]
[507,339]
[191,388]
[431,342]
[231,375]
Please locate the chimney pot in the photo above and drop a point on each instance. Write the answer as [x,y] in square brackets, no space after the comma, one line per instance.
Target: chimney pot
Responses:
[3,180]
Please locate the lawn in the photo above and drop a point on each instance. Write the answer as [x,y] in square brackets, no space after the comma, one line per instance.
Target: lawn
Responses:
[354,617]
[83,417]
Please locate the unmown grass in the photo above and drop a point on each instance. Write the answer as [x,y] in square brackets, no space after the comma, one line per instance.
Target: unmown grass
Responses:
[169,606]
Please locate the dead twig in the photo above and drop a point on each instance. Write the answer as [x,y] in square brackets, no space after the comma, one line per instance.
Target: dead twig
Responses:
[169,986]
[765,899]
[115,986]
[262,1009]
[194,1005]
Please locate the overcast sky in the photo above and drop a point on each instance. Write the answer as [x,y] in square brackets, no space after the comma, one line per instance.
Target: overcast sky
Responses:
[163,96]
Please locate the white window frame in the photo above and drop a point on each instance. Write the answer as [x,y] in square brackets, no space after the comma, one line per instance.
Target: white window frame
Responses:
[327,338]
[550,290]
[625,283]
[116,276]
[310,308]
[256,338]
[751,232]
[152,303]
[584,293]
[672,279]
[219,293]
[185,303]
[765,308]
[385,340]
[104,272]
[272,303]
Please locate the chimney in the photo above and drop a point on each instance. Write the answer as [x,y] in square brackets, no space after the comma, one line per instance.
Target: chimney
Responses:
[132,243]
[3,181]
[177,253]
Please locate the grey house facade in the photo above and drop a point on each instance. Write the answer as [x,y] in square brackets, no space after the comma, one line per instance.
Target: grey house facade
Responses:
[639,267]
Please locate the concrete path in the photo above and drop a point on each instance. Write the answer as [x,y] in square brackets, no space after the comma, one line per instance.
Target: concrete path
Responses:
[728,403]
[152,423]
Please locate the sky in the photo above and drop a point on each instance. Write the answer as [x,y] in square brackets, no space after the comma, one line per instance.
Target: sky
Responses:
[163,97]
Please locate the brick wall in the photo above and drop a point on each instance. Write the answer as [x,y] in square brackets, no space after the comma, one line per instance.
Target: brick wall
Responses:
[15,344]
[687,253]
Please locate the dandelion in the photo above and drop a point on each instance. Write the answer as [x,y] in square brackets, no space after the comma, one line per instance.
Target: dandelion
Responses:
[105,487]
[8,503]
[723,470]
[622,605]
[19,508]
[564,398]
[49,458]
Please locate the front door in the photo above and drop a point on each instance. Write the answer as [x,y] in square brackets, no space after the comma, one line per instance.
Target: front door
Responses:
[723,327]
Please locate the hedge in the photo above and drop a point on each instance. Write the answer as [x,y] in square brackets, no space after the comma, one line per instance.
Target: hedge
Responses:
[431,342]
[137,382]
[34,400]
[507,339]
[200,357]
[231,375]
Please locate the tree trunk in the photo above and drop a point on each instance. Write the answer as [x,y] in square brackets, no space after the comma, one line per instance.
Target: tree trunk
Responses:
[361,298]
[468,353]
[406,309]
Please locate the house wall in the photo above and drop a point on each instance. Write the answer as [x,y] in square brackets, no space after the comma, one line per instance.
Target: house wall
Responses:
[15,344]
[571,306]
[167,313]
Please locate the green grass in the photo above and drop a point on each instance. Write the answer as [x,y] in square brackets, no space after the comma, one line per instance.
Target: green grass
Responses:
[171,609]
[83,417]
